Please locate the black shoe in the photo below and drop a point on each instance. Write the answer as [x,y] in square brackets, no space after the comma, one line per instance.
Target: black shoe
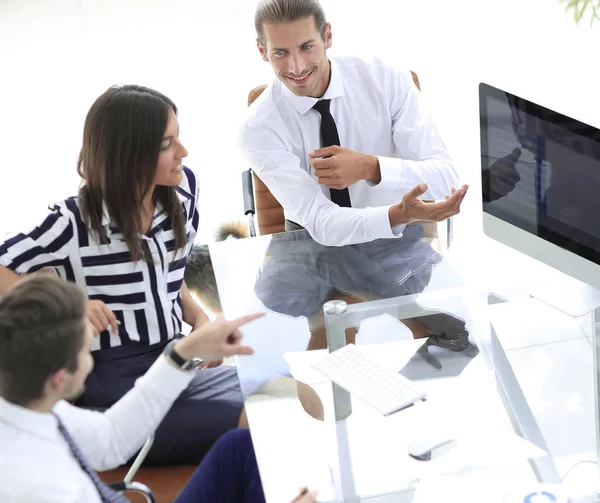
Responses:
[445,332]
[441,322]
[456,343]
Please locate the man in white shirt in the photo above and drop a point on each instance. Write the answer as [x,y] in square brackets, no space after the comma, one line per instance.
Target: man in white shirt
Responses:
[389,144]
[49,449]
[347,148]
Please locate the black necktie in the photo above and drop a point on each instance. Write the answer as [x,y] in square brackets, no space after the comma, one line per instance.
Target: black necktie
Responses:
[107,495]
[329,137]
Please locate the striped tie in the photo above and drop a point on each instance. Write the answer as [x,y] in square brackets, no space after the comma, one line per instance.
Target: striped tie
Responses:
[107,495]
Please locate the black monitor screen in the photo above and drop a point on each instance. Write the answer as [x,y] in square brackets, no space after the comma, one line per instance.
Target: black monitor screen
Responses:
[540,171]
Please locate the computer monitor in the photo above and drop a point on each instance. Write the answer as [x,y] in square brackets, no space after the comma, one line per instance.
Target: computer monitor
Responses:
[540,174]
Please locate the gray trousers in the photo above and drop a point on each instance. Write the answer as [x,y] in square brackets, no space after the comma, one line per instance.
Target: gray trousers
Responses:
[299,274]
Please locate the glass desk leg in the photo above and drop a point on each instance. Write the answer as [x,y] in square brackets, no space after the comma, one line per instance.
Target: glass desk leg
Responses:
[336,338]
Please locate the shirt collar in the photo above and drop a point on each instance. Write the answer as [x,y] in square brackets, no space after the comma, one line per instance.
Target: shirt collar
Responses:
[303,104]
[182,195]
[40,424]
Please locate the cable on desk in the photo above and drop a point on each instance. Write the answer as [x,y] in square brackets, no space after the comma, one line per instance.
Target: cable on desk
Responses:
[593,461]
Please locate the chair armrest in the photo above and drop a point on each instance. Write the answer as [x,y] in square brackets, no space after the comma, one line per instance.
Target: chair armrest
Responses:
[449,233]
[139,460]
[249,207]
[136,487]
[248,190]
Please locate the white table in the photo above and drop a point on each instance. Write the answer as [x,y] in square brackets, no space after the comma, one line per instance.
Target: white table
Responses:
[294,450]
[551,356]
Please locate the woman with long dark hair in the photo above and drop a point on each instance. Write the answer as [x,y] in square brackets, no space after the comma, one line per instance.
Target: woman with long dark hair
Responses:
[124,240]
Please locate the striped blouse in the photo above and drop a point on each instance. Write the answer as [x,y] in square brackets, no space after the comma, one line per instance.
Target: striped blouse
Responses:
[144,297]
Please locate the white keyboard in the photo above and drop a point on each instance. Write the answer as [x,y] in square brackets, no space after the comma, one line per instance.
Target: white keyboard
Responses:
[382,389]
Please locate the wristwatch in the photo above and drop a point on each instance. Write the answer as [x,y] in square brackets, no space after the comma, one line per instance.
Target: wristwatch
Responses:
[178,361]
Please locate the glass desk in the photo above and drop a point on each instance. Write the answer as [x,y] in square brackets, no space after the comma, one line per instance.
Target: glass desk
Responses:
[404,304]
[552,358]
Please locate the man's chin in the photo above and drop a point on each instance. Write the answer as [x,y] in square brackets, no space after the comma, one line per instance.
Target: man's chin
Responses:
[297,92]
[300,91]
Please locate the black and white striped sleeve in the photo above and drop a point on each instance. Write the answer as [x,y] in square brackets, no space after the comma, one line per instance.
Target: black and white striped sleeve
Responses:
[46,245]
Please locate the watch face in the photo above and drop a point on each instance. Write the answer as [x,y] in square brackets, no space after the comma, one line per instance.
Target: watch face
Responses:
[193,364]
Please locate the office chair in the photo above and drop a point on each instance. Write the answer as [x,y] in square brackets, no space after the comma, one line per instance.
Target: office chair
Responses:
[134,487]
[166,481]
[128,485]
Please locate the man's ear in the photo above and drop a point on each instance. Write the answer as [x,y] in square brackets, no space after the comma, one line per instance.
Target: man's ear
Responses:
[263,50]
[328,37]
[56,382]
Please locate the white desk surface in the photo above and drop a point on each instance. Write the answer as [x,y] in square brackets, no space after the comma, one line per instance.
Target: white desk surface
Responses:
[552,361]
[294,450]
[547,353]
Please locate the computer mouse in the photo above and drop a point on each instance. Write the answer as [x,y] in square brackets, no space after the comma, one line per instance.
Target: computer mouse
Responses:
[427,447]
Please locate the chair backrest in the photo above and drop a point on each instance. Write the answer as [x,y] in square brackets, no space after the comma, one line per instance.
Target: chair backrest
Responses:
[269,213]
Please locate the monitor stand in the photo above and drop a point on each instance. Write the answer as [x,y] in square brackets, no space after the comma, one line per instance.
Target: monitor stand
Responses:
[569,295]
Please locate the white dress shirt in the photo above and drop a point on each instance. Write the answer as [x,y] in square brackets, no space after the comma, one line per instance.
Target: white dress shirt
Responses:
[36,464]
[378,110]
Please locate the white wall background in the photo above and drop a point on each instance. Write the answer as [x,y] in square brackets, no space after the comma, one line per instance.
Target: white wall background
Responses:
[57,56]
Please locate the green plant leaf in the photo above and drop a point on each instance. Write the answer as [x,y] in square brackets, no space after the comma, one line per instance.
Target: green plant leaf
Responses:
[580,7]
[579,15]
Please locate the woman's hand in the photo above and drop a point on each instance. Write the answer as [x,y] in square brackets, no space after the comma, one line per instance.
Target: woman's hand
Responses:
[101,317]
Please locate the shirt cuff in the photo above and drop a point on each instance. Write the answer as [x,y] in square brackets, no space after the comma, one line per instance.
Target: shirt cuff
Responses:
[379,224]
[398,230]
[389,170]
[165,379]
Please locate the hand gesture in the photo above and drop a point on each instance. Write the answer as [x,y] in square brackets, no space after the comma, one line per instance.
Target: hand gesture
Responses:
[338,168]
[411,209]
[216,339]
[101,317]
[501,177]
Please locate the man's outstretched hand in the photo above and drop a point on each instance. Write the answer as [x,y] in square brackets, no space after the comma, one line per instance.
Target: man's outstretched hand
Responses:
[216,339]
[412,209]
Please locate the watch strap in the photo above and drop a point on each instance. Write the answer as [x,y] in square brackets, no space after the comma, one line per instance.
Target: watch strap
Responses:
[176,358]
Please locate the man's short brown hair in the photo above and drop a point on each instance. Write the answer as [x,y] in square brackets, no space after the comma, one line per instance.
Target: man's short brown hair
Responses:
[287,11]
[42,329]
